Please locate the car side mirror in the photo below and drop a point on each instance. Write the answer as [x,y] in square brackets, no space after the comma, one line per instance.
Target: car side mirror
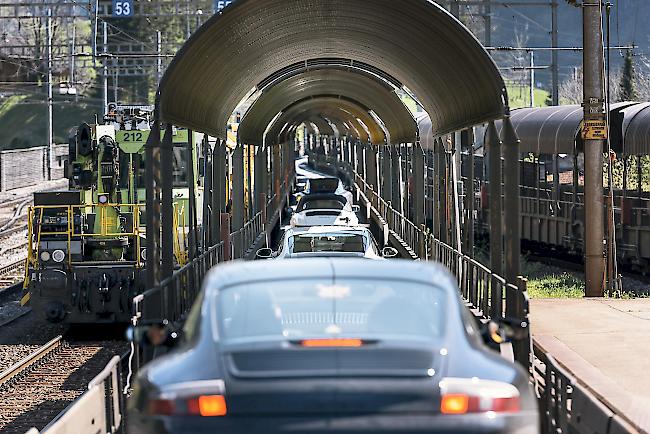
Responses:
[264,253]
[503,330]
[356,208]
[389,252]
[155,335]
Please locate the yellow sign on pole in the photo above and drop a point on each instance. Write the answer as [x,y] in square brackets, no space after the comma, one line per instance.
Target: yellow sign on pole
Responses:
[594,130]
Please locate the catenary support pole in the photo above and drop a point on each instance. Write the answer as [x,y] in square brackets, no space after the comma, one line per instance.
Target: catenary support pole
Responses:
[105,68]
[594,113]
[555,66]
[50,126]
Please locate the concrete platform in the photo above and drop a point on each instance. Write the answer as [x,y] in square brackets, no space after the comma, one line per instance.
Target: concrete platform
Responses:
[605,344]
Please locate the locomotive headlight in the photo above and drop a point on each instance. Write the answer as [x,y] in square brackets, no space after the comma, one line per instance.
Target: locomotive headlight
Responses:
[58,255]
[103,199]
[45,256]
[143,254]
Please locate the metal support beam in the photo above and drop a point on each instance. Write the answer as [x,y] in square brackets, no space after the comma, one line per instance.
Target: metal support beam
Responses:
[418,185]
[511,204]
[166,186]
[386,182]
[467,142]
[371,166]
[218,184]
[277,174]
[192,236]
[593,111]
[238,188]
[260,168]
[208,236]
[152,215]
[493,146]
[360,162]
[442,198]
[396,178]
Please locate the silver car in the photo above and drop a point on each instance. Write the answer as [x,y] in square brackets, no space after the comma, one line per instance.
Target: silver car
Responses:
[319,241]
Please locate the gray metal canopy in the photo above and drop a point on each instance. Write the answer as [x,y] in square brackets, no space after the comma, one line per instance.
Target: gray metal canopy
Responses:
[415,41]
[636,129]
[556,130]
[547,130]
[366,89]
[342,110]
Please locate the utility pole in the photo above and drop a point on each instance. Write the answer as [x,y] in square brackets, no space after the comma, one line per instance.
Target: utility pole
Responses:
[50,135]
[555,66]
[454,8]
[105,67]
[594,134]
[532,78]
[487,16]
[158,58]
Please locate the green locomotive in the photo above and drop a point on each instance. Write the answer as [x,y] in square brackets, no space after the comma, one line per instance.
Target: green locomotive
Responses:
[86,246]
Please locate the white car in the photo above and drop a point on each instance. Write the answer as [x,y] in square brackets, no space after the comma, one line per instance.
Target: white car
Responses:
[328,241]
[324,210]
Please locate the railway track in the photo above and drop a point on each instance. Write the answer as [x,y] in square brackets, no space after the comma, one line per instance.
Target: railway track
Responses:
[38,387]
[23,365]
[12,273]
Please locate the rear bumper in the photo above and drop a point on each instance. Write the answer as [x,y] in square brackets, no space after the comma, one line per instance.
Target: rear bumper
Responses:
[523,423]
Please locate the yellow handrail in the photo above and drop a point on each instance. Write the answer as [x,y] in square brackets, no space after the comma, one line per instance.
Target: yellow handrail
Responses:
[70,232]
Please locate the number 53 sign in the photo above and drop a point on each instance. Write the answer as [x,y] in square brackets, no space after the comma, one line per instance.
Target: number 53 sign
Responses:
[122,8]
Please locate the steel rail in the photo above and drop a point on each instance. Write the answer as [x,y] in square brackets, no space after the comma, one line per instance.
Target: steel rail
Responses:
[6,269]
[28,361]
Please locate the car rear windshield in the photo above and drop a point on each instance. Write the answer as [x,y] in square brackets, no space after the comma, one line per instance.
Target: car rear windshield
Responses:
[351,243]
[308,309]
[322,204]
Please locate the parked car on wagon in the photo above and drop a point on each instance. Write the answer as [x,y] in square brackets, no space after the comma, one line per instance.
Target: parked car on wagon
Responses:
[331,345]
[324,210]
[321,241]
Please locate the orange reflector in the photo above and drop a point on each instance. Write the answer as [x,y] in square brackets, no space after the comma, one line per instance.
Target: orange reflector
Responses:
[212,405]
[454,404]
[354,343]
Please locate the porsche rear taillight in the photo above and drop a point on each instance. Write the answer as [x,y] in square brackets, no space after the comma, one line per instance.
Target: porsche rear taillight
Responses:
[202,405]
[463,396]
[332,342]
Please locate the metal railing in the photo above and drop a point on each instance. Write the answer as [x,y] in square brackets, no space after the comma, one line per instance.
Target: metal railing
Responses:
[244,239]
[174,296]
[101,409]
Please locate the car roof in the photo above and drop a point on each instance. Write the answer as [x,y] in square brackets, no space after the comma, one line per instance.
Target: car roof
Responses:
[320,196]
[243,272]
[326,230]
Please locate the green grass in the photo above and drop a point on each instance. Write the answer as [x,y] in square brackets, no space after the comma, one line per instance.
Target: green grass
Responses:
[545,283]
[23,120]
[519,96]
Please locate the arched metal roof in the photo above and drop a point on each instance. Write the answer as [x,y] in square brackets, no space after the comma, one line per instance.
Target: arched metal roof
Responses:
[426,135]
[556,130]
[415,41]
[636,129]
[342,110]
[368,90]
